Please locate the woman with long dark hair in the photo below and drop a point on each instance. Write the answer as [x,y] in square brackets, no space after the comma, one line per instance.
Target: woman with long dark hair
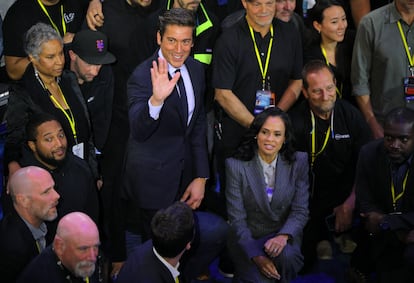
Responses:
[267,201]
[332,43]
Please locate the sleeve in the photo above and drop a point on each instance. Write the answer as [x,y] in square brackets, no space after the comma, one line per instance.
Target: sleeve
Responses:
[225,61]
[362,58]
[14,28]
[363,183]
[19,109]
[298,214]
[236,211]
[139,91]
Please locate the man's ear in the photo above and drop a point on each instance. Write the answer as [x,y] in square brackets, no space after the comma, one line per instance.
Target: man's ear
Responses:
[72,55]
[58,246]
[305,93]
[23,200]
[32,146]
[158,37]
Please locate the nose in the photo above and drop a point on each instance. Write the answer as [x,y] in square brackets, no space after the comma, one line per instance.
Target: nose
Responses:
[395,143]
[92,254]
[95,70]
[58,142]
[55,195]
[60,60]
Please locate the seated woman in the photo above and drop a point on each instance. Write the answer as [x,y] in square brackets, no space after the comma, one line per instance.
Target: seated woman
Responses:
[267,201]
[332,43]
[47,87]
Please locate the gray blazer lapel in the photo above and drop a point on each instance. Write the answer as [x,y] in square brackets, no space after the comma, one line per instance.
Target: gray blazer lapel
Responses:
[281,180]
[257,183]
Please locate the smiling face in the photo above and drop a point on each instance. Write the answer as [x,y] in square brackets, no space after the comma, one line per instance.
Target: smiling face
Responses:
[259,13]
[333,25]
[175,44]
[51,60]
[321,92]
[399,141]
[270,138]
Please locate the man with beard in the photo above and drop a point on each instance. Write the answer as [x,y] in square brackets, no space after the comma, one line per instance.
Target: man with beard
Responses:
[73,178]
[23,230]
[89,59]
[385,193]
[72,257]
[332,132]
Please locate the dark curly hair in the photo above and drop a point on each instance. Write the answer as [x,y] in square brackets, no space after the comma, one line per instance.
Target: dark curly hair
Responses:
[248,146]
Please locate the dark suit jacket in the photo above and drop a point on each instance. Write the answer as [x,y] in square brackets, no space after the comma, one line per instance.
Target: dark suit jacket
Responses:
[143,266]
[251,215]
[166,154]
[373,186]
[17,247]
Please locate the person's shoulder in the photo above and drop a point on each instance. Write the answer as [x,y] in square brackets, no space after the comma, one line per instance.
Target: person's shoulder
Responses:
[301,156]
[78,163]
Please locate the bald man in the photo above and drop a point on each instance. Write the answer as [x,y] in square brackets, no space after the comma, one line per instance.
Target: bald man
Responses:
[22,230]
[72,257]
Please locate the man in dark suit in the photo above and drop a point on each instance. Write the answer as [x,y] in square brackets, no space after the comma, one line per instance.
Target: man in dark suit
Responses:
[23,231]
[385,193]
[156,261]
[167,154]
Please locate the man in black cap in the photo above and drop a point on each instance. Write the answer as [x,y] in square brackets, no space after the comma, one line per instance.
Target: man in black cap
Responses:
[89,60]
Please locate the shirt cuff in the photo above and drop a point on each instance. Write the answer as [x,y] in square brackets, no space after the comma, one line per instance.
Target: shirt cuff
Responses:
[154,111]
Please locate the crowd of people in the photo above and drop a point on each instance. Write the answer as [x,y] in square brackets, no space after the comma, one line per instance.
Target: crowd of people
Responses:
[148,138]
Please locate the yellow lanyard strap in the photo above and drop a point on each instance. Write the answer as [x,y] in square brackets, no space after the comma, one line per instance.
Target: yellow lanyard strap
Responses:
[259,60]
[407,50]
[339,92]
[314,154]
[70,118]
[395,198]
[50,19]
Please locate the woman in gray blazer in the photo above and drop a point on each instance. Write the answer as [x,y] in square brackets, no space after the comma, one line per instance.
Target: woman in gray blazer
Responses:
[267,201]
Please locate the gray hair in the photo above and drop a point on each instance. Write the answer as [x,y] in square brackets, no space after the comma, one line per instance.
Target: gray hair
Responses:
[37,35]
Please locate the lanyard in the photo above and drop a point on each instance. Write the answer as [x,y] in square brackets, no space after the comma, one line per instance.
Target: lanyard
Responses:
[339,92]
[39,249]
[314,154]
[407,50]
[50,19]
[259,60]
[395,198]
[70,118]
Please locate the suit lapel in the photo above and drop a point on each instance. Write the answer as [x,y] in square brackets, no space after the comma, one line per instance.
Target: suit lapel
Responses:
[281,180]
[256,181]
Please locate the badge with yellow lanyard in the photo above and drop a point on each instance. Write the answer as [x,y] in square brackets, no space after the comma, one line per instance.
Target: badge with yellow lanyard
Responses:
[265,98]
[408,81]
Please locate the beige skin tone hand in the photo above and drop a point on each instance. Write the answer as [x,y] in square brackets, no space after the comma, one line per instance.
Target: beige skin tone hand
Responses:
[194,193]
[162,86]
[94,15]
[343,214]
[274,246]
[266,267]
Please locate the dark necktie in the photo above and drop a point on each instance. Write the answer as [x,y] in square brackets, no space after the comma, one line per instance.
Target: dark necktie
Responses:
[183,96]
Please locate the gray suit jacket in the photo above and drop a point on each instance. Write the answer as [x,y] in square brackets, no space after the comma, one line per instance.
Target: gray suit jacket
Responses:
[250,213]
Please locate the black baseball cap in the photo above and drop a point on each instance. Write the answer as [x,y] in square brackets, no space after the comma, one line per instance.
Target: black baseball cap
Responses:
[92,47]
